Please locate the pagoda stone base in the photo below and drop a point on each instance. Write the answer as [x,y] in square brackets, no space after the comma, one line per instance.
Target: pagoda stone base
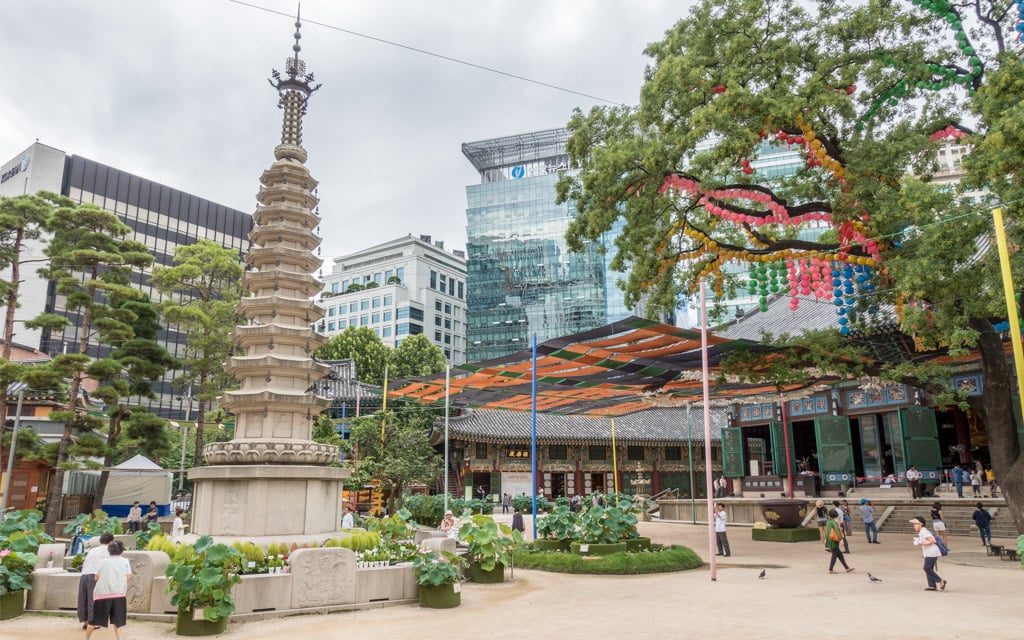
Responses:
[266,500]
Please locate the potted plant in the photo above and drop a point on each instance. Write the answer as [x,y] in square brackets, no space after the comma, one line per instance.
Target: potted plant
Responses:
[556,529]
[439,577]
[201,577]
[489,546]
[20,537]
[605,530]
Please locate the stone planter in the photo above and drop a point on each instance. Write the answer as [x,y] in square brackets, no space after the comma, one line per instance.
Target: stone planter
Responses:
[638,544]
[550,545]
[479,575]
[783,513]
[12,604]
[597,549]
[444,596]
[185,625]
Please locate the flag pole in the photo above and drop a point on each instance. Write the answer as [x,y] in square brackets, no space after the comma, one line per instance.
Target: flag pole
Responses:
[533,436]
[707,427]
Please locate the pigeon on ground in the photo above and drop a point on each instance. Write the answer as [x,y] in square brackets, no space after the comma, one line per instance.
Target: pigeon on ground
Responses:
[761,575]
[873,578]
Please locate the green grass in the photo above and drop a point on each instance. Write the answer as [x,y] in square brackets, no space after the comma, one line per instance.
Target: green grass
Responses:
[658,560]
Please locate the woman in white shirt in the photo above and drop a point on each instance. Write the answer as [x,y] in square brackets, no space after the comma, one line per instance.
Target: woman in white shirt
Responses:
[931,552]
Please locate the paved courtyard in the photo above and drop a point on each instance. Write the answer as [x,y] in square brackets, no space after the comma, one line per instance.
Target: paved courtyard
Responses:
[797,598]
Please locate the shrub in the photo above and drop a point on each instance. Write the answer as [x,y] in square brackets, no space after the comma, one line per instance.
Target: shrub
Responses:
[560,524]
[94,524]
[426,510]
[606,525]
[20,537]
[658,560]
[160,542]
[524,504]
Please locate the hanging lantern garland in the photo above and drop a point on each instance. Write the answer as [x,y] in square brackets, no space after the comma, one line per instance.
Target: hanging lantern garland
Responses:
[840,277]
[932,76]
[1020,23]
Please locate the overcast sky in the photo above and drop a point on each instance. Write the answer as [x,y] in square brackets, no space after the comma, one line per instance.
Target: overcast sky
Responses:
[177,92]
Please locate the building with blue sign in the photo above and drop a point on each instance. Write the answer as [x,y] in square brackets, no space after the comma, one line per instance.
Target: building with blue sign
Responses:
[522,279]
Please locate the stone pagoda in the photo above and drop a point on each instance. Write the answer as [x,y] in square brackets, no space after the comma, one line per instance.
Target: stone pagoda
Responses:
[271,479]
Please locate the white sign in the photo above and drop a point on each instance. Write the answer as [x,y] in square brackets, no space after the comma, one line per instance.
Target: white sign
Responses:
[516,483]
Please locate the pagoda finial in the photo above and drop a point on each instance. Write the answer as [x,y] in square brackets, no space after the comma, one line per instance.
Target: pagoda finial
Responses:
[294,90]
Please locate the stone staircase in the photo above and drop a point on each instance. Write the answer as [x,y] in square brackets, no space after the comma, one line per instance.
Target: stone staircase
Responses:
[957,518]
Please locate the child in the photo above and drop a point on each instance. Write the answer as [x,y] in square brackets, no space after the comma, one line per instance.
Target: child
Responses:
[178,526]
[110,599]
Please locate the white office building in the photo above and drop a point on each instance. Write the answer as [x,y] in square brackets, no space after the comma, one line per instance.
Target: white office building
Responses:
[400,288]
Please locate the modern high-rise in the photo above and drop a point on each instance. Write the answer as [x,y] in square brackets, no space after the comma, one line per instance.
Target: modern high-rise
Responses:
[161,217]
[400,288]
[522,278]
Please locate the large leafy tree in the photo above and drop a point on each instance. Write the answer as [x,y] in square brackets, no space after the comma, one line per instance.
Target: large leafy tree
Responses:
[129,372]
[396,455]
[416,356]
[201,290]
[91,262]
[362,345]
[863,89]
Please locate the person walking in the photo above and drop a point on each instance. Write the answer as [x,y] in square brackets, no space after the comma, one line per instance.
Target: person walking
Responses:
[914,480]
[721,538]
[833,537]
[135,517]
[87,580]
[990,475]
[938,523]
[930,550]
[111,595]
[958,480]
[517,521]
[846,523]
[983,519]
[821,516]
[867,514]
[348,520]
[838,508]
[976,484]
[506,502]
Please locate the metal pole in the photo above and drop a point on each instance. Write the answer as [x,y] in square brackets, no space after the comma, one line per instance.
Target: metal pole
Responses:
[447,400]
[533,437]
[181,468]
[10,455]
[689,446]
[707,427]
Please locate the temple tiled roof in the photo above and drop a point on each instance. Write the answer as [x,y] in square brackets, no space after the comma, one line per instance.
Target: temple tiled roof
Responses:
[653,426]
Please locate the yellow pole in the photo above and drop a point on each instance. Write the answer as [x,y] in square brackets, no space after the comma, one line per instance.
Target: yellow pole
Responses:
[1011,311]
[615,460]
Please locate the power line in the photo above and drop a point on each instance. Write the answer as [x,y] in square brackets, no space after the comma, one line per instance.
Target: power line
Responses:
[507,74]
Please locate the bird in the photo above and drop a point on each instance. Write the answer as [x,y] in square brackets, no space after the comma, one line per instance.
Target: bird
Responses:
[761,575]
[873,578]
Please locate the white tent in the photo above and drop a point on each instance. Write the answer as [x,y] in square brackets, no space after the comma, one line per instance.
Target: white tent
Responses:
[137,478]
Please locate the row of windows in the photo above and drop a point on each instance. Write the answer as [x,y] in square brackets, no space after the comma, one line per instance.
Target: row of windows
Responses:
[380,278]
[362,305]
[594,452]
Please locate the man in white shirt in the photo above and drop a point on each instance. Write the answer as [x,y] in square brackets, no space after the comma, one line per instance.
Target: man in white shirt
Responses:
[722,540]
[348,521]
[87,581]
[914,480]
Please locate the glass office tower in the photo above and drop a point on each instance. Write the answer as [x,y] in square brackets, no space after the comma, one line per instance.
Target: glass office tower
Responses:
[521,278]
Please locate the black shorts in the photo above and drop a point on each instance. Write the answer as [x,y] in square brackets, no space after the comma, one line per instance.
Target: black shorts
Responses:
[109,611]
